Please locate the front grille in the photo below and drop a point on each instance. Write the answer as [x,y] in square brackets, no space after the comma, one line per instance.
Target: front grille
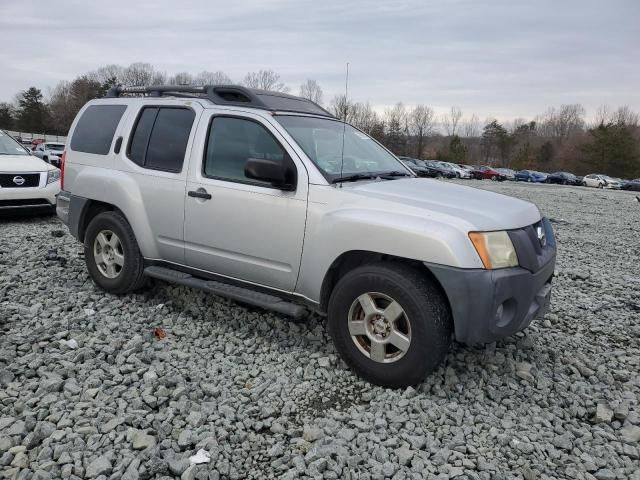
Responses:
[23,202]
[19,180]
[533,253]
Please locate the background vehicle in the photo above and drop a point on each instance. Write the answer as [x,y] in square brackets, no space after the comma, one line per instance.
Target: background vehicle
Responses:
[441,171]
[233,191]
[26,182]
[564,178]
[485,172]
[458,171]
[530,176]
[601,181]
[416,166]
[631,185]
[50,152]
[508,173]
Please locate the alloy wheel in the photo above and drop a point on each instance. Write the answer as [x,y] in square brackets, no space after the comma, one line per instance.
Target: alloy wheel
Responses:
[379,327]
[108,254]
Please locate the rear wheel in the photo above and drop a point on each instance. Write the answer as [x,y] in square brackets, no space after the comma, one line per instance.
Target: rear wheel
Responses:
[389,323]
[112,255]
[529,180]
[439,175]
[600,185]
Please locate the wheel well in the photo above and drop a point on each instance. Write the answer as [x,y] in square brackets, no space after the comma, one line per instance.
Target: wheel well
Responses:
[355,258]
[91,209]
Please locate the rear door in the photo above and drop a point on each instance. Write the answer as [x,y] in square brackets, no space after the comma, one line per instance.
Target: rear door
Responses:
[246,229]
[155,152]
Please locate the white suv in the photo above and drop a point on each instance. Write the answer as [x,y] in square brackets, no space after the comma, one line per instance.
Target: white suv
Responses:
[50,152]
[26,182]
[268,199]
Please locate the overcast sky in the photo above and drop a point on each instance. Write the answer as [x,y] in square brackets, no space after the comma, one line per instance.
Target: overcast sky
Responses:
[502,59]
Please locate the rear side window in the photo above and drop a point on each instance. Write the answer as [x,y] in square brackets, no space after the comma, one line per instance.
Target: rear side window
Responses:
[95,130]
[160,137]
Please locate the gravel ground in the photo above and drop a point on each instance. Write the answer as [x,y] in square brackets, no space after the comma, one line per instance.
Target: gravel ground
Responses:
[88,391]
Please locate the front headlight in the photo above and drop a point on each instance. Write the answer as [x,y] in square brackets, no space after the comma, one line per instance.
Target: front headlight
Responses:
[495,249]
[53,176]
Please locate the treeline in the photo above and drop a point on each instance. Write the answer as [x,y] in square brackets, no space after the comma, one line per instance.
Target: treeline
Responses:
[559,139]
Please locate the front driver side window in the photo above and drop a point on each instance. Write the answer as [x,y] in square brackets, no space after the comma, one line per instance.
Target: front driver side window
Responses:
[231,142]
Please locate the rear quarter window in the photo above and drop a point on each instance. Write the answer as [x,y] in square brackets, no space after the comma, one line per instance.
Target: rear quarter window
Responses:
[95,129]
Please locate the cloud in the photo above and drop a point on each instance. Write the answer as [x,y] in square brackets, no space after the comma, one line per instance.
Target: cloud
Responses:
[503,59]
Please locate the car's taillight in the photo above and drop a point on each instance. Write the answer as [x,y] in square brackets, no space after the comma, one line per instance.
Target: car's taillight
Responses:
[62,159]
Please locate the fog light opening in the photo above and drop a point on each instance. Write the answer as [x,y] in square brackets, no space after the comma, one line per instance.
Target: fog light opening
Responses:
[505,312]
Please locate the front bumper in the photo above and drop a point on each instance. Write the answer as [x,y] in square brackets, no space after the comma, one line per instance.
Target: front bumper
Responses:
[488,305]
[28,198]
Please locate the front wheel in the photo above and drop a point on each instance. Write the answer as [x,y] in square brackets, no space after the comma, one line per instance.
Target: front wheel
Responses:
[494,178]
[390,323]
[111,253]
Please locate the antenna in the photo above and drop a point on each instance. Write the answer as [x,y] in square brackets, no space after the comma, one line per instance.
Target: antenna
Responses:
[344,120]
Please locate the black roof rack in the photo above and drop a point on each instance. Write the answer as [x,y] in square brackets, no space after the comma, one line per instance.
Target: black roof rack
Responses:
[227,95]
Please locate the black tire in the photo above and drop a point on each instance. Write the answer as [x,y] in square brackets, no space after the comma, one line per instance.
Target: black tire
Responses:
[494,178]
[131,275]
[439,175]
[427,313]
[529,180]
[600,185]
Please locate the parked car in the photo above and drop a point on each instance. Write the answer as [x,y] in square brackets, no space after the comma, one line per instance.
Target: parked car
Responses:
[417,167]
[564,178]
[631,185]
[232,190]
[26,182]
[458,171]
[50,152]
[601,181]
[441,171]
[485,172]
[530,176]
[508,173]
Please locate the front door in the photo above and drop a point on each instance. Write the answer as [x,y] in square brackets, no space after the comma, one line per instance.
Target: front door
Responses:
[235,226]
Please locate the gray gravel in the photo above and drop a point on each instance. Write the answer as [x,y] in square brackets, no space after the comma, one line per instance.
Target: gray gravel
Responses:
[87,391]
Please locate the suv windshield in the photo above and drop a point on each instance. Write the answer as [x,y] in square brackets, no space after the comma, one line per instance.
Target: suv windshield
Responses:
[8,146]
[321,140]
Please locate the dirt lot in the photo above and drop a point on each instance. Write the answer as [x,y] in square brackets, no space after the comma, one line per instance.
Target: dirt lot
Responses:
[87,391]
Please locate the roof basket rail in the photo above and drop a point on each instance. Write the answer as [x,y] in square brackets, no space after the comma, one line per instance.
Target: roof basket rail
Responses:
[225,95]
[215,93]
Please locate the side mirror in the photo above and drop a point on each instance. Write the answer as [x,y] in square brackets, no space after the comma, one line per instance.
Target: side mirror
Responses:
[272,171]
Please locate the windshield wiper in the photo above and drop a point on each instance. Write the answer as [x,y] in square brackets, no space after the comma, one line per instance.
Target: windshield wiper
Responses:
[395,173]
[355,177]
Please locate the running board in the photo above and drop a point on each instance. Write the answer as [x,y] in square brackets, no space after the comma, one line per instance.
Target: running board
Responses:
[233,292]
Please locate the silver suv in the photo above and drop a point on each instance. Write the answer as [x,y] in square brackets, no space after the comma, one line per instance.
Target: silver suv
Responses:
[269,200]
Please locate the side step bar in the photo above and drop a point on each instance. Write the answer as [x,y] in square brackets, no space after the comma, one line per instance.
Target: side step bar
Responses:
[233,292]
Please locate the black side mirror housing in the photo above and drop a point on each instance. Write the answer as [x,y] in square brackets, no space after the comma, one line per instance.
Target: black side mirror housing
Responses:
[277,173]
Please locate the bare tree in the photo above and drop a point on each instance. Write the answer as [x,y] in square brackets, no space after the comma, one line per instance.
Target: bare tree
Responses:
[182,78]
[471,127]
[311,91]
[450,121]
[265,80]
[364,117]
[421,123]
[562,123]
[212,78]
[396,123]
[108,74]
[342,108]
[139,74]
[625,116]
[603,115]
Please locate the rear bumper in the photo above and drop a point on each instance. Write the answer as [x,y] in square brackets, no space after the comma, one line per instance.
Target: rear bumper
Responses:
[488,305]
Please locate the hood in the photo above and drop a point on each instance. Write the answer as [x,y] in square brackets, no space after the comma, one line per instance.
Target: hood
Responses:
[481,209]
[23,163]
